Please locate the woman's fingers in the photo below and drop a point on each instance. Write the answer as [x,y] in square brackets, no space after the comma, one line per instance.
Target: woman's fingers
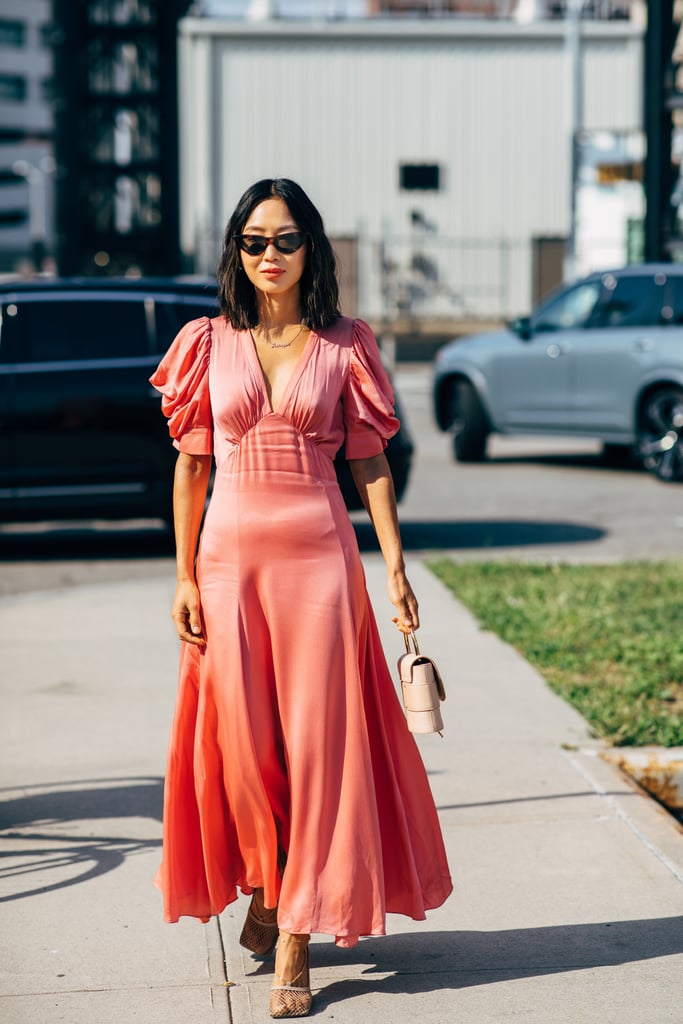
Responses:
[413,611]
[409,616]
[186,615]
[406,604]
[190,634]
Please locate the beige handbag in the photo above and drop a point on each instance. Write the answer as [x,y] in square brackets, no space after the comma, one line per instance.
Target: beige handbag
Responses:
[422,688]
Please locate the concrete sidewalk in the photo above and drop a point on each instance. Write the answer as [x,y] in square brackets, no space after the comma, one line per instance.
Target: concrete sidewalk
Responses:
[569,881]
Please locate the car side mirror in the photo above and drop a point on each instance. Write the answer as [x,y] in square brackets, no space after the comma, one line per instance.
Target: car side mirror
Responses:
[522,327]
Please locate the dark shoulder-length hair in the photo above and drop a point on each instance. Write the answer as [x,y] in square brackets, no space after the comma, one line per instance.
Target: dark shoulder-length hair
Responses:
[318,285]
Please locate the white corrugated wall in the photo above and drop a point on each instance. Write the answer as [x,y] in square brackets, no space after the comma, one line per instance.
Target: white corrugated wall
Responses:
[340,108]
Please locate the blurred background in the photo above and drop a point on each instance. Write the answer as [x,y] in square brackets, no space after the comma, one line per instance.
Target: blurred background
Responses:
[467,156]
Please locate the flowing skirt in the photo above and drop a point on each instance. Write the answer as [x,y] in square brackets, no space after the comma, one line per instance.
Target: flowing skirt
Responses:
[289,740]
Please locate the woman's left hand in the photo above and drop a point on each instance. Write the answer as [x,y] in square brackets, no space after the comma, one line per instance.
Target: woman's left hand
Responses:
[402,597]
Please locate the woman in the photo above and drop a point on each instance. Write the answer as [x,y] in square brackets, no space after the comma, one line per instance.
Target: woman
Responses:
[291,774]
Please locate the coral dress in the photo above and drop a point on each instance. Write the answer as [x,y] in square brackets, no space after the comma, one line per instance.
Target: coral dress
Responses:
[288,736]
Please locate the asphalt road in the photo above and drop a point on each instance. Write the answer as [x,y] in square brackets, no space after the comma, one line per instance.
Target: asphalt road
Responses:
[542,498]
[538,498]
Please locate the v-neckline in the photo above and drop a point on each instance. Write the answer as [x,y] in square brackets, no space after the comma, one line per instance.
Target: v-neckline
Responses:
[293,377]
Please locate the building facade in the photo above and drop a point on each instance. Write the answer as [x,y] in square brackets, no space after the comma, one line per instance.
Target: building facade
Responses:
[438,150]
[116,136]
[26,135]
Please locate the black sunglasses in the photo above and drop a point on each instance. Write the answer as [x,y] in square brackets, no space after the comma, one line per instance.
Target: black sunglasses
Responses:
[255,245]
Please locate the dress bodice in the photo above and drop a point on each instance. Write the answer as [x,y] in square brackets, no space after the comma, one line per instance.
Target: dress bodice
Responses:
[215,394]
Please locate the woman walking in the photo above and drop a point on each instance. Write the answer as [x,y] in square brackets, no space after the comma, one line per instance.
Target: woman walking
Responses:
[291,774]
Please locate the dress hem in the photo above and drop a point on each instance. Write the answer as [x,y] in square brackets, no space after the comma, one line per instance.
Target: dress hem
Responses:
[343,940]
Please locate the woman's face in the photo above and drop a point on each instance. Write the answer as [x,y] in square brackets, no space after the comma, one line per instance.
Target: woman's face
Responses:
[272,272]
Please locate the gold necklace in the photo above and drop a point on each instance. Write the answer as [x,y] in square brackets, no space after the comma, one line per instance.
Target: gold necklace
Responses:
[275,344]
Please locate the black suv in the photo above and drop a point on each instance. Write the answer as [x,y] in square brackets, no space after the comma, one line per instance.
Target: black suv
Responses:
[81,427]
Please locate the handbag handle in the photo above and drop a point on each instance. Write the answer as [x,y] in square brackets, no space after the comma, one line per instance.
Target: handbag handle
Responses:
[410,637]
[407,637]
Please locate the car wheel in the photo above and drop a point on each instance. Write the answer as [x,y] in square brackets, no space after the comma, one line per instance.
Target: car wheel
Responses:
[660,434]
[470,426]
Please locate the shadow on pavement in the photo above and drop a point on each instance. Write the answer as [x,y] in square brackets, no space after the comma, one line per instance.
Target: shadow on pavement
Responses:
[550,796]
[84,800]
[83,542]
[42,853]
[432,961]
[571,460]
[61,542]
[484,534]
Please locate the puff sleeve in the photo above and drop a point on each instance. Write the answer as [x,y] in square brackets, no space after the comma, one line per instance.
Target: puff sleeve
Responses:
[182,377]
[368,398]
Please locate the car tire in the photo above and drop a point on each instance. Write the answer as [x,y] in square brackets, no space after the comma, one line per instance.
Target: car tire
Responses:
[470,426]
[660,433]
[619,455]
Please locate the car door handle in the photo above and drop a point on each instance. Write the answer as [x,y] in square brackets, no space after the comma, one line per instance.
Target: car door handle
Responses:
[644,345]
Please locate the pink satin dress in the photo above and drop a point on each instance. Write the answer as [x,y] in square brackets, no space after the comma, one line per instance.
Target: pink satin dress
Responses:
[288,737]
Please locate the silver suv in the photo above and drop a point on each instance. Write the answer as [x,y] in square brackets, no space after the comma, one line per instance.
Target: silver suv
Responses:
[602,358]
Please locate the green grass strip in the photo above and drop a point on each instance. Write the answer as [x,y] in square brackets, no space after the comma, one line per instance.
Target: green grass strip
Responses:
[607,638]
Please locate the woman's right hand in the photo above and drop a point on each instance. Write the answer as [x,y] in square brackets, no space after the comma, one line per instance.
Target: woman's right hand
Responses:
[187,613]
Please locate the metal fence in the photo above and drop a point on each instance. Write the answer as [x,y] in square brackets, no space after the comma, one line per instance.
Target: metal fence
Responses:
[421,276]
[441,278]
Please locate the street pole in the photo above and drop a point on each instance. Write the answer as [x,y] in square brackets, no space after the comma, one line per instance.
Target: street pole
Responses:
[574,119]
[659,43]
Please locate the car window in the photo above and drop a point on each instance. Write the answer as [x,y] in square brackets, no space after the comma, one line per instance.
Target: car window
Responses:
[572,308]
[631,301]
[171,315]
[672,309]
[191,311]
[73,329]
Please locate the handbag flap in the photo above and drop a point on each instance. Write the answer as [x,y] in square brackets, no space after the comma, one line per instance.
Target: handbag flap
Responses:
[405,669]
